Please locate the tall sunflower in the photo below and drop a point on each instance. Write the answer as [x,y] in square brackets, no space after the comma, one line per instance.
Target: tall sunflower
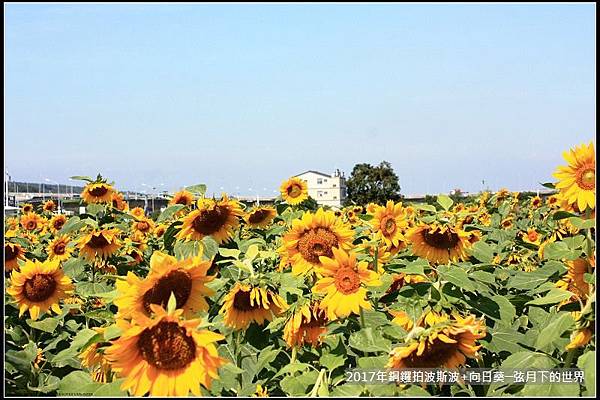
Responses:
[217,219]
[143,225]
[49,206]
[57,222]
[164,355]
[574,279]
[245,304]
[100,243]
[118,201]
[59,249]
[260,217]
[182,197]
[13,252]
[306,325]
[389,222]
[27,208]
[439,243]
[446,344]
[92,358]
[294,190]
[186,279]
[577,181]
[343,283]
[39,286]
[312,236]
[98,193]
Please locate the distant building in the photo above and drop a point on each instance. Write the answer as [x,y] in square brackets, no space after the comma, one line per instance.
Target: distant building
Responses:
[327,190]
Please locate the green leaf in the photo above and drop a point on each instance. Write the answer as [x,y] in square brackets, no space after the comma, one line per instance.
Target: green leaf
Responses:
[444,201]
[587,363]
[557,326]
[507,310]
[458,277]
[169,212]
[75,384]
[74,268]
[483,252]
[373,362]
[332,361]
[366,340]
[112,389]
[299,385]
[235,253]
[426,207]
[347,390]
[548,185]
[551,390]
[47,324]
[199,189]
[562,215]
[552,297]
[74,223]
[81,178]
[265,357]
[291,368]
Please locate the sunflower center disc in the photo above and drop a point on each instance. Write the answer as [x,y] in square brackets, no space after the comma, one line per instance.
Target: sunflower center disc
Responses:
[241,301]
[347,280]
[294,190]
[258,216]
[58,224]
[31,225]
[587,179]
[435,355]
[177,282]
[441,240]
[10,253]
[317,242]
[59,249]
[143,226]
[98,241]
[389,226]
[210,221]
[39,288]
[98,191]
[167,346]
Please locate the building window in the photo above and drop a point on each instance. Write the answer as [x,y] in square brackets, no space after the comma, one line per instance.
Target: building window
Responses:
[335,185]
[335,197]
[319,193]
[319,181]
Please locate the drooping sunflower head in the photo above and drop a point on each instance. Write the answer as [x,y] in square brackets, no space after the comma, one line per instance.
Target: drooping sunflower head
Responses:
[389,222]
[446,344]
[313,236]
[507,223]
[439,243]
[57,222]
[307,324]
[160,230]
[574,280]
[99,243]
[344,282]
[13,252]
[245,304]
[97,193]
[182,197]
[118,201]
[27,208]
[215,218]
[93,359]
[59,249]
[144,226]
[577,180]
[163,355]
[294,190]
[32,222]
[186,279]
[260,217]
[39,286]
[49,206]
[401,279]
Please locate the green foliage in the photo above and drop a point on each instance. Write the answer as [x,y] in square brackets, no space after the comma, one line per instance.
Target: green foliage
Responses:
[372,184]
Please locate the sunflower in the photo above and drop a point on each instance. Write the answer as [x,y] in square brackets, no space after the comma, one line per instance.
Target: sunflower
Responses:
[306,325]
[245,304]
[217,219]
[260,217]
[138,212]
[439,243]
[39,286]
[97,192]
[574,279]
[165,356]
[401,279]
[27,208]
[118,201]
[49,205]
[553,201]
[372,208]
[58,249]
[294,190]
[312,236]
[261,392]
[577,181]
[447,343]
[402,319]
[536,202]
[579,338]
[73,304]
[182,197]
[160,230]
[143,226]
[11,223]
[507,223]
[92,358]
[100,243]
[344,280]
[532,236]
[32,222]
[186,279]
[388,222]
[12,254]
[57,222]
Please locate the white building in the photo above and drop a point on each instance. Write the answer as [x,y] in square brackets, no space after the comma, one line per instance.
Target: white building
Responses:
[327,190]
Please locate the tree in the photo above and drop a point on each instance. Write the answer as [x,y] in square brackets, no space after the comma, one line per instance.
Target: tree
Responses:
[372,184]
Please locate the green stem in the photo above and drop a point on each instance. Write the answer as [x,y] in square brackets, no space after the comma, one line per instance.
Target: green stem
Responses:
[362,319]
[294,354]
[569,359]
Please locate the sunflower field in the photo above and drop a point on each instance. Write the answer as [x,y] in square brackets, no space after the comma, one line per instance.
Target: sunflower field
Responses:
[213,298]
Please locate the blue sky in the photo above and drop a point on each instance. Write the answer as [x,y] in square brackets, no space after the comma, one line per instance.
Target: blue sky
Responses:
[242,96]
